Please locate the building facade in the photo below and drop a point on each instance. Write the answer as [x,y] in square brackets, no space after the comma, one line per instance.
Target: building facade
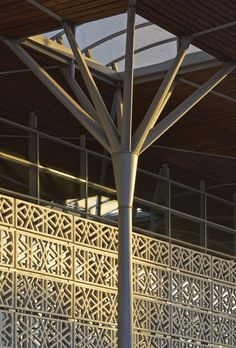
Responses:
[59,285]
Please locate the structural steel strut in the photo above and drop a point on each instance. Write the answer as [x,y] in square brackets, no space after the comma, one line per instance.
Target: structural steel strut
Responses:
[124,147]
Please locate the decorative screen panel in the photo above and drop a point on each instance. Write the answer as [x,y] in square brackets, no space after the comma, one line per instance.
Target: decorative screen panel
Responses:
[58,286]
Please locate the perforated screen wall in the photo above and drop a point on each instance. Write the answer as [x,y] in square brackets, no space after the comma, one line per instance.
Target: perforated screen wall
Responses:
[58,280]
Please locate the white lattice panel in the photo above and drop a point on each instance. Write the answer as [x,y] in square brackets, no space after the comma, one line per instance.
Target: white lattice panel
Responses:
[152,315]
[44,255]
[224,270]
[151,250]
[6,289]
[151,341]
[6,329]
[95,267]
[6,211]
[6,246]
[95,234]
[224,298]
[94,336]
[151,280]
[37,331]
[38,219]
[182,344]
[38,294]
[223,329]
[191,323]
[191,290]
[58,286]
[192,261]
[95,305]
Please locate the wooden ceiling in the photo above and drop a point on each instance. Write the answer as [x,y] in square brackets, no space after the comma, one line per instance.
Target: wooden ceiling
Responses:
[183,18]
[20,18]
[209,127]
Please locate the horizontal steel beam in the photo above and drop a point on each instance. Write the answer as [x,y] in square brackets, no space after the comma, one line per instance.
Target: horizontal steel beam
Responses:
[193,62]
[62,54]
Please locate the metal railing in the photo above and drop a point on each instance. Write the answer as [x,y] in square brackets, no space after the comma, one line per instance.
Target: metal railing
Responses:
[84,183]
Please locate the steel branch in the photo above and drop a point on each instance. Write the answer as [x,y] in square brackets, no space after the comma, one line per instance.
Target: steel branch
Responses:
[102,113]
[188,104]
[157,105]
[82,116]
[126,126]
[79,93]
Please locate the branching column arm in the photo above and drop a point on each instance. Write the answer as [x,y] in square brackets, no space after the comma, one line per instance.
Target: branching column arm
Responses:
[119,107]
[126,126]
[102,112]
[92,126]
[188,104]
[160,99]
[79,93]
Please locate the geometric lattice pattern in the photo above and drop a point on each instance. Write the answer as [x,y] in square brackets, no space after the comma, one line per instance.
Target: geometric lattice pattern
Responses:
[37,331]
[58,286]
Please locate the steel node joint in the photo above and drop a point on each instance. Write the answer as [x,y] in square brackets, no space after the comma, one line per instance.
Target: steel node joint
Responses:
[125,168]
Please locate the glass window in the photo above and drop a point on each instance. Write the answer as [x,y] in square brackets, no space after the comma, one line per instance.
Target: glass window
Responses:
[220,212]
[62,190]
[152,188]
[150,218]
[221,240]
[187,230]
[14,176]
[187,200]
[62,157]
[100,170]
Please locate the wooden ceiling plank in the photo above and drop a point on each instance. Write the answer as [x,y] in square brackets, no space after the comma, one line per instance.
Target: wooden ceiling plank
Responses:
[35,21]
[169,23]
[190,17]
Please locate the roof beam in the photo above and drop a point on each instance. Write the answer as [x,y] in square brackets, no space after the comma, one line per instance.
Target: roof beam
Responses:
[200,153]
[218,94]
[92,126]
[142,49]
[45,10]
[188,104]
[22,71]
[62,54]
[213,29]
[193,62]
[159,100]
[114,35]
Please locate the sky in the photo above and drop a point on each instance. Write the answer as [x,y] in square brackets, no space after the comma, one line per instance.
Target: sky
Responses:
[89,33]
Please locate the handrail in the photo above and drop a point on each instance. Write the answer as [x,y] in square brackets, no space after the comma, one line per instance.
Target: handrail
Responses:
[102,156]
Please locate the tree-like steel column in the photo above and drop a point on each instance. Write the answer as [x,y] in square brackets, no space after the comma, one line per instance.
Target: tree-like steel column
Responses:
[125,169]
[118,140]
